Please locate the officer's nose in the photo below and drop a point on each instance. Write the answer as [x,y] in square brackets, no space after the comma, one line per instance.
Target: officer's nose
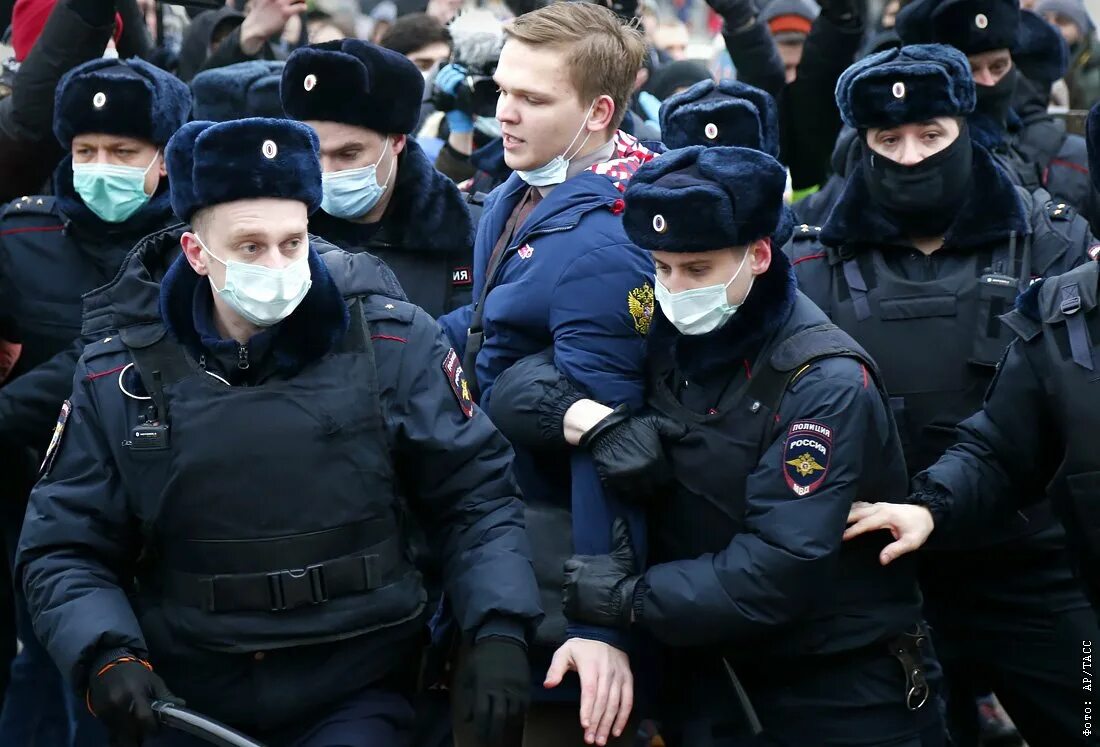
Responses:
[910,154]
[983,78]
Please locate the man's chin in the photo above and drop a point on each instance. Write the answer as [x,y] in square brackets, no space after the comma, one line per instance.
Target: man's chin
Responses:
[516,162]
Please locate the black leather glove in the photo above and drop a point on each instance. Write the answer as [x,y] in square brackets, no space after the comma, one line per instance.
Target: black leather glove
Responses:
[629,453]
[497,679]
[599,589]
[736,13]
[121,695]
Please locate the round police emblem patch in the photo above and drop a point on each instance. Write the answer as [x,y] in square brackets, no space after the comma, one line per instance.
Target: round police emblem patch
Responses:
[806,456]
[981,21]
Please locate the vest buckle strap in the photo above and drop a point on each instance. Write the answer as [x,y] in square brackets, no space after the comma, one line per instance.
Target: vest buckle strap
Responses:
[1071,300]
[297,588]
[287,589]
[853,276]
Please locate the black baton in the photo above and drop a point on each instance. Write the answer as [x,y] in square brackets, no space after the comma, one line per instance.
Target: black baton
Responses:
[197,725]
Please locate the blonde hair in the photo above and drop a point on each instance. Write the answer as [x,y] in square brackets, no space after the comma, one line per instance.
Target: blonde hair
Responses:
[602,53]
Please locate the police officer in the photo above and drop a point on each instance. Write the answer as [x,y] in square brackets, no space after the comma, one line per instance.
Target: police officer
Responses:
[244,89]
[115,118]
[928,244]
[1036,152]
[1030,437]
[218,501]
[763,424]
[381,193]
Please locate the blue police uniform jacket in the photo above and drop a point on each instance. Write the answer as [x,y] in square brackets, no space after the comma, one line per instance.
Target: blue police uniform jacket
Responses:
[284,456]
[53,250]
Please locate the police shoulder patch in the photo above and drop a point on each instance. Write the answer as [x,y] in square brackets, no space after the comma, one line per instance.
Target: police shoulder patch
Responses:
[640,302]
[452,369]
[55,439]
[806,456]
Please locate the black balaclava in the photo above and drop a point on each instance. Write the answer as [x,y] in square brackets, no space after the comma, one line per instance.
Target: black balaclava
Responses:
[923,199]
[995,101]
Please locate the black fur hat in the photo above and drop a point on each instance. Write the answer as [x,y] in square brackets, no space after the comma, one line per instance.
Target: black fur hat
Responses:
[120,97]
[210,163]
[353,82]
[907,84]
[701,199]
[971,26]
[245,89]
[728,113]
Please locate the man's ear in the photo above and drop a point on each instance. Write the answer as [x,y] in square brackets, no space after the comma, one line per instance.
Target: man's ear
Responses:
[761,258]
[603,114]
[192,250]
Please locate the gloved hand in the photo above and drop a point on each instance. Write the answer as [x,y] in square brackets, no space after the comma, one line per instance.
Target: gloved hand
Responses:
[497,679]
[121,693]
[736,13]
[629,453]
[447,80]
[599,589]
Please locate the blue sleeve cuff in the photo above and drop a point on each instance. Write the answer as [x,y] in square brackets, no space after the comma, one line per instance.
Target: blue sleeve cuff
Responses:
[502,627]
[610,636]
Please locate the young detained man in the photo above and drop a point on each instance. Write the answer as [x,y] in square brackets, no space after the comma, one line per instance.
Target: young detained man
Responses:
[552,264]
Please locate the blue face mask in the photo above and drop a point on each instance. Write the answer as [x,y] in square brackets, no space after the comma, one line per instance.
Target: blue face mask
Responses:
[557,169]
[114,193]
[351,193]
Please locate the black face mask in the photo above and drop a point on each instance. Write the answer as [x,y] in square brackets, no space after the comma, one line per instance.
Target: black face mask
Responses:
[922,200]
[995,101]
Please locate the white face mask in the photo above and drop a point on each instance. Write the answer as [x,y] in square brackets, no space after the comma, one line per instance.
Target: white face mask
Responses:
[700,310]
[557,169]
[263,295]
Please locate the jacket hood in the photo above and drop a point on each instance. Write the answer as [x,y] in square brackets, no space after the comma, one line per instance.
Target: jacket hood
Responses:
[426,213]
[195,46]
[991,211]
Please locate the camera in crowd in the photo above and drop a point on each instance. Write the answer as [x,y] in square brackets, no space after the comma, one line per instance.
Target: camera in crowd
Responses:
[477,37]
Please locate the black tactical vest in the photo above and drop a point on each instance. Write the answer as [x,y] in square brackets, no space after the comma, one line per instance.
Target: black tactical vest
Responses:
[270,512]
[1067,360]
[711,465]
[938,340]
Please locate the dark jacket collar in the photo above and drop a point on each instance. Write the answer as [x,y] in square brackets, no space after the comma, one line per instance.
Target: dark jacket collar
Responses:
[990,212]
[311,331]
[427,213]
[152,216]
[766,309]
[155,289]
